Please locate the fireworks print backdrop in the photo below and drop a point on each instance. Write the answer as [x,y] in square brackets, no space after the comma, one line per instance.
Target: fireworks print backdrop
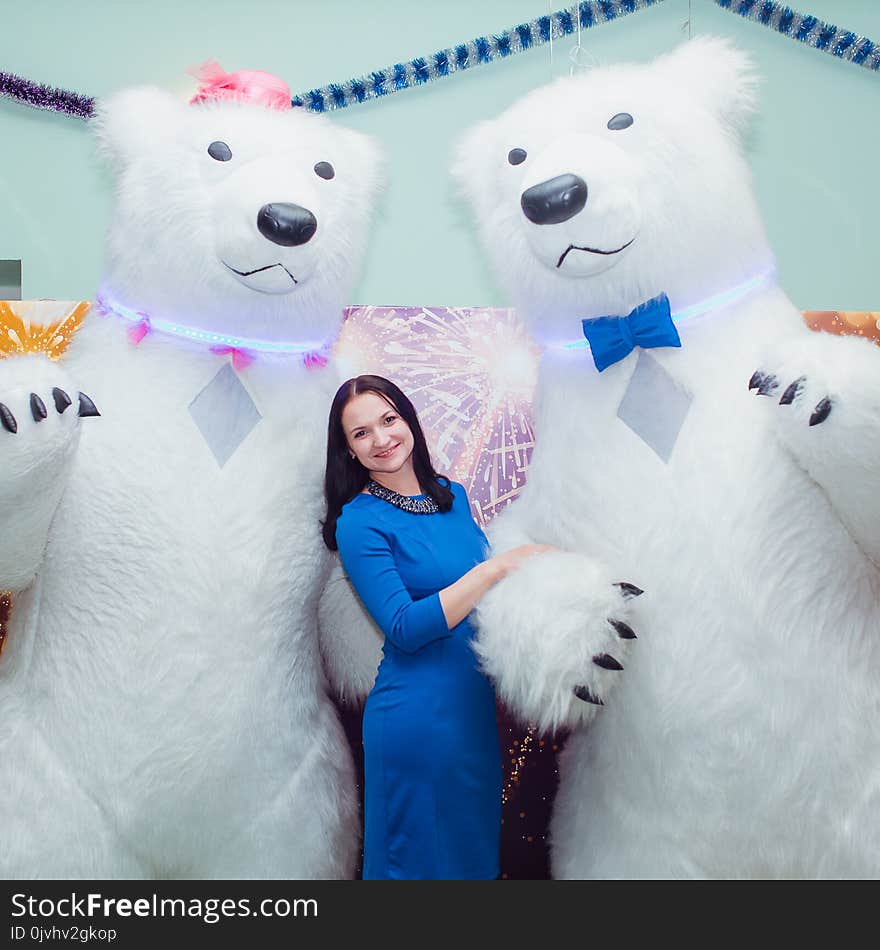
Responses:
[470,374]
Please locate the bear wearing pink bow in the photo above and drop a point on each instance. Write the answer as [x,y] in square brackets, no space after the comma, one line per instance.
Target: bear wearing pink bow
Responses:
[164,707]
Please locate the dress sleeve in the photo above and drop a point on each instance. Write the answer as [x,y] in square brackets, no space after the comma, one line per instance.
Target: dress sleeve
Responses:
[461,496]
[366,556]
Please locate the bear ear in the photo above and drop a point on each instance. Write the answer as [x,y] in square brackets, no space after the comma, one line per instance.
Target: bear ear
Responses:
[133,121]
[367,159]
[472,157]
[720,74]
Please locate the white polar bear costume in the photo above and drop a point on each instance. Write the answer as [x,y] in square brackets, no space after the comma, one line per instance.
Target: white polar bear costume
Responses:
[743,736]
[163,707]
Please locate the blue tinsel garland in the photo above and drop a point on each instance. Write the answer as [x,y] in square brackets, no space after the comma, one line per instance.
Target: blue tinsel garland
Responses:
[808,29]
[482,49]
[486,49]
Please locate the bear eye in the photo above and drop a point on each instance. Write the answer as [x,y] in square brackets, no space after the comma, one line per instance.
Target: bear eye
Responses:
[324,170]
[220,151]
[516,156]
[623,120]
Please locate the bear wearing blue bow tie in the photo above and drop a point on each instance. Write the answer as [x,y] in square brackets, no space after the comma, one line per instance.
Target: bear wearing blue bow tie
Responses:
[707,468]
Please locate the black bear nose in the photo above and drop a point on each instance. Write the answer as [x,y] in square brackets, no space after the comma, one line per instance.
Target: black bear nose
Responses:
[555,200]
[286,224]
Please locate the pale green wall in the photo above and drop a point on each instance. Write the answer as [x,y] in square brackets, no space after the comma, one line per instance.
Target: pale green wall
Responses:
[813,149]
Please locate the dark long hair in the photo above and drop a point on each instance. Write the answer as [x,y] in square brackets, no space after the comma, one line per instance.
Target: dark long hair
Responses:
[345,477]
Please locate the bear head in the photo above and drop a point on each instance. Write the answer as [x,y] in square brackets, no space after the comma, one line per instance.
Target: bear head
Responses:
[598,192]
[232,217]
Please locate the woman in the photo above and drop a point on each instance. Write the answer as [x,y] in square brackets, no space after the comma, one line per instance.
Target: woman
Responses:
[417,560]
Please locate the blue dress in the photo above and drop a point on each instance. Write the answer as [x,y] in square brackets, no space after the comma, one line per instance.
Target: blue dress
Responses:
[432,759]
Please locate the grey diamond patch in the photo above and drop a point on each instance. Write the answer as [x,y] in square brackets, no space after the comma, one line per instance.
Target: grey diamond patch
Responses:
[224,413]
[654,406]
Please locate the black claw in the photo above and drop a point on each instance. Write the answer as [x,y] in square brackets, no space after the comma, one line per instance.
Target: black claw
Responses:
[821,412]
[756,380]
[791,391]
[624,630]
[7,419]
[629,590]
[767,384]
[38,408]
[584,694]
[607,662]
[87,407]
[62,400]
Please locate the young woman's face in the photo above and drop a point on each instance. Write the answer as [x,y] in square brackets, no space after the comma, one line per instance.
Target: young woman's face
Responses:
[379,437]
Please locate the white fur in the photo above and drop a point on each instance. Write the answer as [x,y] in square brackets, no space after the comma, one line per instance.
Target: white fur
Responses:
[163,710]
[742,738]
[351,643]
[540,682]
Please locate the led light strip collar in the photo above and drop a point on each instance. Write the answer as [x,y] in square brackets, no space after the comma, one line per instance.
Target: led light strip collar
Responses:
[145,323]
[705,306]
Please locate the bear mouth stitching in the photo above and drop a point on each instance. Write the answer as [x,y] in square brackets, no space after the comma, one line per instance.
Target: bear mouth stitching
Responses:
[257,270]
[592,250]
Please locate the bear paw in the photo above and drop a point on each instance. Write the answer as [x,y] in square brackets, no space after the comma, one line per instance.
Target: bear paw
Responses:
[555,636]
[821,377]
[767,384]
[40,413]
[824,408]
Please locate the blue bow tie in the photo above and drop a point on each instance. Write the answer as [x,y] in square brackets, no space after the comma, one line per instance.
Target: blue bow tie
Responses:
[613,338]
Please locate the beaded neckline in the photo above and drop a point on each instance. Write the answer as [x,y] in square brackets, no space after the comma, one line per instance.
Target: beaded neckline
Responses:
[416,506]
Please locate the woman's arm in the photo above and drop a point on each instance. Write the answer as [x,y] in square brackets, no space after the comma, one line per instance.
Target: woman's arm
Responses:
[412,624]
[366,556]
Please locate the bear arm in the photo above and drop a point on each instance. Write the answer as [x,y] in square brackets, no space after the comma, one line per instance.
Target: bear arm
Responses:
[39,435]
[825,409]
[351,643]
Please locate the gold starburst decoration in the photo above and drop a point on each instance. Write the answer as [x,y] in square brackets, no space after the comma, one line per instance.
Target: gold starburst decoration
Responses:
[19,335]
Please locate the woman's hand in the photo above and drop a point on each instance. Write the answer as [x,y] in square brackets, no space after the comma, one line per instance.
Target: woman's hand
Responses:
[507,563]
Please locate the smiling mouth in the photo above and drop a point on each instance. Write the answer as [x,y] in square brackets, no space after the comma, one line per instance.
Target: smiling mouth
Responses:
[258,270]
[387,452]
[592,250]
